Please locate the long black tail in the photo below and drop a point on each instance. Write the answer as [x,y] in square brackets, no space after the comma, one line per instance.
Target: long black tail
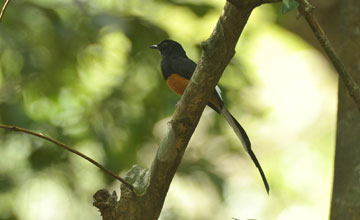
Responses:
[240,132]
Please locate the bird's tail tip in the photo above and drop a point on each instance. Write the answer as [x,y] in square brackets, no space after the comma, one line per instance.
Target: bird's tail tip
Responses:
[240,132]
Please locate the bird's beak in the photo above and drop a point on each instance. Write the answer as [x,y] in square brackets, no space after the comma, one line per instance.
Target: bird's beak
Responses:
[155,46]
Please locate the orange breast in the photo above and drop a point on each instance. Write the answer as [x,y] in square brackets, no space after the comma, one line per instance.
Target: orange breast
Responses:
[177,83]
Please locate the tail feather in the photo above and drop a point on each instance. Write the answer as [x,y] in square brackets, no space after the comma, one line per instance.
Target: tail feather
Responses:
[240,132]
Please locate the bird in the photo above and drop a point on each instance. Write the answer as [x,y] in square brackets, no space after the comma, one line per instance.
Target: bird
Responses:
[177,70]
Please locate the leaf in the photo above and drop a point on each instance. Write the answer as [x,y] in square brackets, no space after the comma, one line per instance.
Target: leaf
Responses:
[289,5]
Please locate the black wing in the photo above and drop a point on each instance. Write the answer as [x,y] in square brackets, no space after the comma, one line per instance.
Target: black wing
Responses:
[183,66]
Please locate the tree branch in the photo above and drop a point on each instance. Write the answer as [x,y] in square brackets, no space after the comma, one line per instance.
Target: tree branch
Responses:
[109,172]
[217,53]
[4,8]
[307,10]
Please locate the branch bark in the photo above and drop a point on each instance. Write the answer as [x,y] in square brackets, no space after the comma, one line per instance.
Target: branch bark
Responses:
[151,186]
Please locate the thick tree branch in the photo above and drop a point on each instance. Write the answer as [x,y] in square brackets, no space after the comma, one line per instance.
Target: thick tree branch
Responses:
[217,53]
[109,172]
[307,10]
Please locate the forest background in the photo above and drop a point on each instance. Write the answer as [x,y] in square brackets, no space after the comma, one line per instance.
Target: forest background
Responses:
[81,72]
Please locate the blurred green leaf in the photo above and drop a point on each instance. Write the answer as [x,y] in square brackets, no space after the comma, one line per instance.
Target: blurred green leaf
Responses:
[47,156]
[198,8]
[6,183]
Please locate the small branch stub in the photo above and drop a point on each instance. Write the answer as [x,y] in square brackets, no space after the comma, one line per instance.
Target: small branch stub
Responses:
[106,203]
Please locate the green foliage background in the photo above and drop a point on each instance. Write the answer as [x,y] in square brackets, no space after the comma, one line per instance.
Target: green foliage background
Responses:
[81,72]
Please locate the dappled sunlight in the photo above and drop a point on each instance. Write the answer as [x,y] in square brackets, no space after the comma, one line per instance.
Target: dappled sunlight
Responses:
[299,212]
[16,148]
[102,66]
[47,198]
[198,206]
[42,198]
[87,175]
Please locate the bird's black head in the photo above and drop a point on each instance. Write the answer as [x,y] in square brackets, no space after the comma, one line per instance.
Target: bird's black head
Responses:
[169,48]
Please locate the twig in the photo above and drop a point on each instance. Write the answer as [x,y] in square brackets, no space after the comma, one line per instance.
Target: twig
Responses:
[3,9]
[109,172]
[307,10]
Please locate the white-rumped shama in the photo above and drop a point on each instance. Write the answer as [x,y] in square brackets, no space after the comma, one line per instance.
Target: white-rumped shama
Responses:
[177,70]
